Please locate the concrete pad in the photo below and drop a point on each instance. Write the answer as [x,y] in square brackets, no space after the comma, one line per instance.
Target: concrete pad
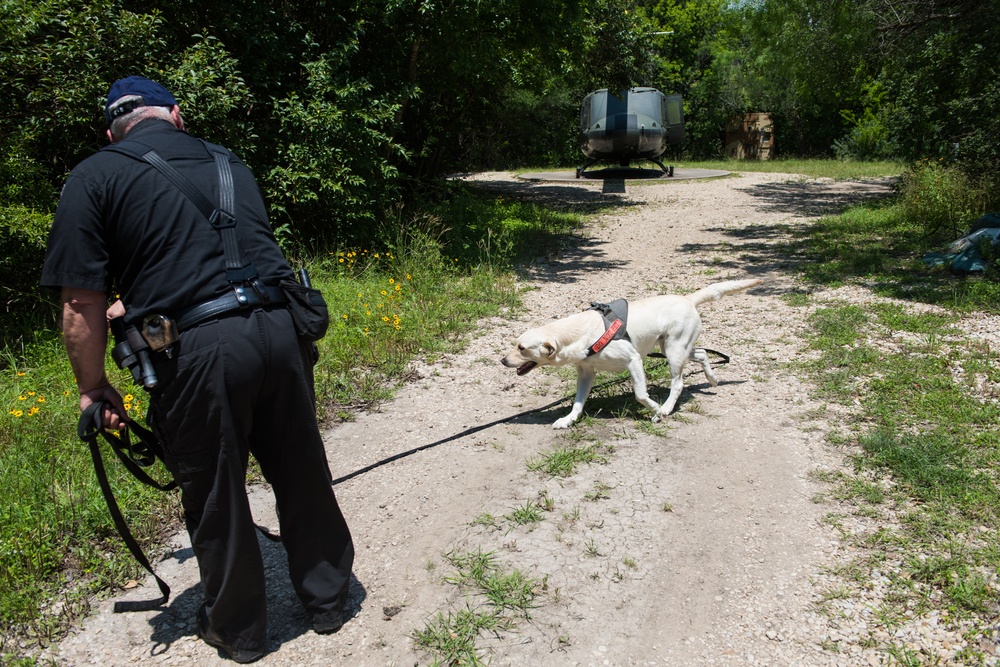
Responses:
[628,174]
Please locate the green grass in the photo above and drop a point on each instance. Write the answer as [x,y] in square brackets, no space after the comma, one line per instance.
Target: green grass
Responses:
[54,524]
[921,423]
[563,461]
[495,600]
[815,168]
[924,435]
[426,287]
[527,514]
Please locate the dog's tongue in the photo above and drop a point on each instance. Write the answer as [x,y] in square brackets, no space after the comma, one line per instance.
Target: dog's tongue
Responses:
[525,367]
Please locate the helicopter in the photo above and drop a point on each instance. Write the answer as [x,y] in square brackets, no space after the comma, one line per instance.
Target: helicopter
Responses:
[636,124]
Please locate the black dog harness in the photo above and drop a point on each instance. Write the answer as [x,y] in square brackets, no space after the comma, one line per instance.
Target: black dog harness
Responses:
[615,316]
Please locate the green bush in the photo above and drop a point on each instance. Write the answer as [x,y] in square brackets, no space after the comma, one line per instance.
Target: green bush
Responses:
[24,306]
[868,139]
[944,200]
[332,176]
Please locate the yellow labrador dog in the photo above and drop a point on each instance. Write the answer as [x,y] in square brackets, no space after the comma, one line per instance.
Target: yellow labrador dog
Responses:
[587,340]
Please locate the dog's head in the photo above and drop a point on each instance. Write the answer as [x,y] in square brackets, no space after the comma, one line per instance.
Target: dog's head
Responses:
[533,349]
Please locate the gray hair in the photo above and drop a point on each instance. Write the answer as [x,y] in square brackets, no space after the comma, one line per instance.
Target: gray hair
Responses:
[122,124]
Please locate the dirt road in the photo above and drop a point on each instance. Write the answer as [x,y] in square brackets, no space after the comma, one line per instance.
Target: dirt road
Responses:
[698,541]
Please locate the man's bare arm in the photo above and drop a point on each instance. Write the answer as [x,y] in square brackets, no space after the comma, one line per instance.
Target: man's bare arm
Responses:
[85,331]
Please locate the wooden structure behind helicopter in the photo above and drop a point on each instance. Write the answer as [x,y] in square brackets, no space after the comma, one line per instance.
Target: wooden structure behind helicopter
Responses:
[636,124]
[750,136]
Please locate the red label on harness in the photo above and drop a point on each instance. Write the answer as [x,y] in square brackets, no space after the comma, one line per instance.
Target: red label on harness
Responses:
[606,338]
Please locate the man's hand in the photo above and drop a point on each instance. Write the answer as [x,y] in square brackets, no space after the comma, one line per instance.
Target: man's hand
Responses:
[114,415]
[117,309]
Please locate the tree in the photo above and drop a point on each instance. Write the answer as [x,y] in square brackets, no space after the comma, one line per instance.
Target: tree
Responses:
[815,60]
[694,53]
[942,78]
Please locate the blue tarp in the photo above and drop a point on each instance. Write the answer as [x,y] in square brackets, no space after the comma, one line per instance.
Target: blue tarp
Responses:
[962,256]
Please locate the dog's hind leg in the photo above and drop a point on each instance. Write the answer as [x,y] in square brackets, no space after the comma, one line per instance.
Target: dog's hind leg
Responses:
[676,358]
[699,355]
[638,373]
[584,383]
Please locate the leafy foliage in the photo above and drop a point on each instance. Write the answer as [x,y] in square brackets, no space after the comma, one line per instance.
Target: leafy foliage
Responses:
[330,172]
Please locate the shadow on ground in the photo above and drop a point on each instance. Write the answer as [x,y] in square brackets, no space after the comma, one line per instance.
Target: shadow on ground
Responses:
[809,199]
[287,618]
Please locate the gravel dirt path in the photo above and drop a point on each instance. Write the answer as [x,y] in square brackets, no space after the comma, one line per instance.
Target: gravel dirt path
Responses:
[697,542]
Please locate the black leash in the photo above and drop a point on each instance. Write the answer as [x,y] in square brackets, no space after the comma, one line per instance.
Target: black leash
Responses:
[724,360]
[134,457]
[462,434]
[476,429]
[725,357]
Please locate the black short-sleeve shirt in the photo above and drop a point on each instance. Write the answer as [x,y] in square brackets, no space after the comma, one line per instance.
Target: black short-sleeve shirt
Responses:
[122,227]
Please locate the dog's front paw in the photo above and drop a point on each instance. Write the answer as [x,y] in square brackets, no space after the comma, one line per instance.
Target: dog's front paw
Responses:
[565,422]
[660,415]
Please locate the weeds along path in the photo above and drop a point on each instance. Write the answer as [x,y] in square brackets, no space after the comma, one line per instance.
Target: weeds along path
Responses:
[692,542]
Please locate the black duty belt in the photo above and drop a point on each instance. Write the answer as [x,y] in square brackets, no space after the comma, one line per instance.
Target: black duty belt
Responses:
[240,298]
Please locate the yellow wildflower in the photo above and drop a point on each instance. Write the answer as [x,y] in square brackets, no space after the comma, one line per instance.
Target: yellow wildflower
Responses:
[16,413]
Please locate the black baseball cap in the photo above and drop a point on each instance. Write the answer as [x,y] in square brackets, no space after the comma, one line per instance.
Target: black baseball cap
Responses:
[152,94]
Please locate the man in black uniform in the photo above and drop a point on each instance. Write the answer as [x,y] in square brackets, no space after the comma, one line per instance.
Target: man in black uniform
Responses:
[234,383]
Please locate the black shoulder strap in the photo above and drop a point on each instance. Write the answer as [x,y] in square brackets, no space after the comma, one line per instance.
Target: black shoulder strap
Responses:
[222,217]
[91,426]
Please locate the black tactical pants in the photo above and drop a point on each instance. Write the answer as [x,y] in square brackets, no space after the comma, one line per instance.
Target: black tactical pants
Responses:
[243,384]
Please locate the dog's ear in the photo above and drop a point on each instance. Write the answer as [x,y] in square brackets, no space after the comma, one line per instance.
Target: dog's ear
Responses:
[548,349]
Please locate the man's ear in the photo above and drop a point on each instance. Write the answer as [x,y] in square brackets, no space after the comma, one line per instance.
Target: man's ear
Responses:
[111,137]
[175,114]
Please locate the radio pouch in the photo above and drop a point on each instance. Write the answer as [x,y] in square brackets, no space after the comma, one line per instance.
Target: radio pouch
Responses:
[308,309]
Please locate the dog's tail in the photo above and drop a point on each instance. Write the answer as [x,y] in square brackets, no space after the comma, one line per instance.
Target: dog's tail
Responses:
[719,290]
